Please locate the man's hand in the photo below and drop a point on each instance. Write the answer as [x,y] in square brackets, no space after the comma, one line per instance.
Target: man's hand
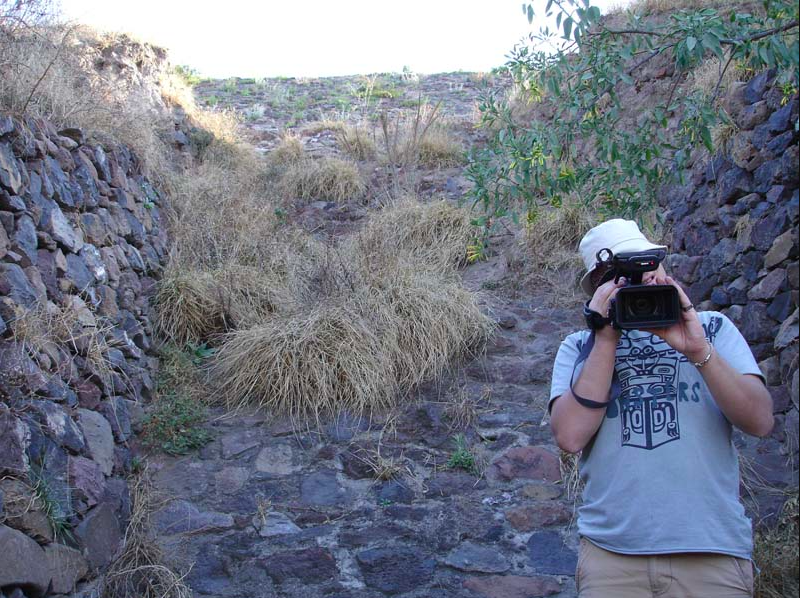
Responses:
[687,335]
[601,303]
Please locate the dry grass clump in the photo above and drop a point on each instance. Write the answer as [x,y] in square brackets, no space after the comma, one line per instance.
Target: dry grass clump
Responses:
[424,323]
[378,335]
[186,307]
[439,148]
[329,179]
[434,235]
[290,150]
[321,362]
[551,238]
[51,332]
[324,124]
[776,553]
[355,327]
[402,135]
[248,295]
[708,74]
[357,141]
[141,570]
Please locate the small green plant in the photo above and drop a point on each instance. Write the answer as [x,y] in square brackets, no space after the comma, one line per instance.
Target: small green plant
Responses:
[462,457]
[188,74]
[52,508]
[174,425]
[137,465]
[384,502]
[230,85]
[175,421]
[149,205]
[200,353]
[211,101]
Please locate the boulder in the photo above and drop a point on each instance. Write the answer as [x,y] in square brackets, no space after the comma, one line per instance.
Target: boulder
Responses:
[14,440]
[513,586]
[397,569]
[99,438]
[481,559]
[24,510]
[66,566]
[528,462]
[22,562]
[55,223]
[16,285]
[99,534]
[10,174]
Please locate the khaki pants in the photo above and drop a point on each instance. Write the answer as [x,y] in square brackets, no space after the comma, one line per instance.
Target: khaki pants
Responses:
[604,574]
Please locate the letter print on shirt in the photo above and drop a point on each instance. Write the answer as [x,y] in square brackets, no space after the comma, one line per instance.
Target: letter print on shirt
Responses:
[647,370]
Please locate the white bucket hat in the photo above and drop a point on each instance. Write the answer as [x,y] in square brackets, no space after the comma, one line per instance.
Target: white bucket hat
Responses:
[619,236]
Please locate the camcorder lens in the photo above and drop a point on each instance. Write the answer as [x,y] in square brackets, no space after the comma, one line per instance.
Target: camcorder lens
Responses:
[646,306]
[643,306]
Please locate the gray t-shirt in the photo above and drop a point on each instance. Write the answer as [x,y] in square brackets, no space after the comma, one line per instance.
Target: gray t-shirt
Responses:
[661,474]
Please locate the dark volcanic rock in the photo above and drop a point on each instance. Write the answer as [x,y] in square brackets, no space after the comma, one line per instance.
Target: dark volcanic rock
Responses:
[100,535]
[548,554]
[513,586]
[322,488]
[396,570]
[530,462]
[472,557]
[311,565]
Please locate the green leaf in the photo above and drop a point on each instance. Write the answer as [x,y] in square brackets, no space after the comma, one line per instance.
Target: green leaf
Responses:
[691,42]
[567,27]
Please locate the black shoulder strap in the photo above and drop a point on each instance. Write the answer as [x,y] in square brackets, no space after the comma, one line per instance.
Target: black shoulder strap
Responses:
[615,387]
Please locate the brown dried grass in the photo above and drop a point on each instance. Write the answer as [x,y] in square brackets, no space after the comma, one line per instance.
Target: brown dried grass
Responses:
[435,235]
[186,308]
[549,242]
[141,571]
[330,179]
[440,148]
[776,553]
[58,333]
[357,141]
[317,363]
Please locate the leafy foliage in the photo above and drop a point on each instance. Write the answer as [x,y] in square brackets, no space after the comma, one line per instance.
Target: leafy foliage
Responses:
[175,421]
[581,148]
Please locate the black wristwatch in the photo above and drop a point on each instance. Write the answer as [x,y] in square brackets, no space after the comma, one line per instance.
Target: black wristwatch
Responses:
[594,320]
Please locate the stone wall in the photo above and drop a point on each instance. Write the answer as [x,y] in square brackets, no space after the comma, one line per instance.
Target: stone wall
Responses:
[735,237]
[82,242]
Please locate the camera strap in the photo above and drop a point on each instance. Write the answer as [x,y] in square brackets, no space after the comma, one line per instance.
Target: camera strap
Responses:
[615,386]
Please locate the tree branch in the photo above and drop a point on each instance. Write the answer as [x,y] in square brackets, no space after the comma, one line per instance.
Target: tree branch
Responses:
[758,36]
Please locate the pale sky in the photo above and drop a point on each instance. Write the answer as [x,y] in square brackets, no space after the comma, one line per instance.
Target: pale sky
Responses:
[316,38]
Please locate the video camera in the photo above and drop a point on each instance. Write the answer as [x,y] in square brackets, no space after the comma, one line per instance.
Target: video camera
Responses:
[638,305]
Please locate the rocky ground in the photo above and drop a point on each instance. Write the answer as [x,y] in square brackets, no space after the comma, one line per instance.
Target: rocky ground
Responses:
[458,494]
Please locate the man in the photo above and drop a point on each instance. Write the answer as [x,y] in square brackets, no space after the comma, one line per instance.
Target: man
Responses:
[651,412]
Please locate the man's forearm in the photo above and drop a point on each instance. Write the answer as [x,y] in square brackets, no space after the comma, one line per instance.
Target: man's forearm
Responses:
[742,398]
[573,424]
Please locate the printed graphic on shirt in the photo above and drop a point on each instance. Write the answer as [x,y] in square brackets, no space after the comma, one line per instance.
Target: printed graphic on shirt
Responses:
[649,390]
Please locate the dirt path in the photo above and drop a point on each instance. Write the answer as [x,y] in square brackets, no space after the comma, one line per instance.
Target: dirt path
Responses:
[266,511]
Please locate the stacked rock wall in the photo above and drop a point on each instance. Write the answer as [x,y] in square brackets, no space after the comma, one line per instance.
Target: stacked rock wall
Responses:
[82,241]
[735,237]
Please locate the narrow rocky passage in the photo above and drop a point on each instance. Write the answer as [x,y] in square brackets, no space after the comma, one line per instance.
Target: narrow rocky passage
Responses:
[266,510]
[456,494]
